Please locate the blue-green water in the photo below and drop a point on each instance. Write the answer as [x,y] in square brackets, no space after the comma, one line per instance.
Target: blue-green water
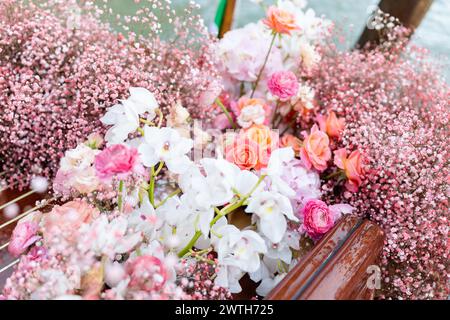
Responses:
[349,15]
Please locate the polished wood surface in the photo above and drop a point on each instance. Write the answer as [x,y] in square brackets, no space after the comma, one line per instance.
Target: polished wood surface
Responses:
[5,233]
[336,268]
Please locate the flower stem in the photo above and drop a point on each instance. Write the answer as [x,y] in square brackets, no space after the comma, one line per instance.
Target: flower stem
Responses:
[153,174]
[223,212]
[227,113]
[120,199]
[151,191]
[264,65]
[334,174]
[173,194]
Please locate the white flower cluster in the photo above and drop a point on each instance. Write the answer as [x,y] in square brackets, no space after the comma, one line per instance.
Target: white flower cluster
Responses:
[196,217]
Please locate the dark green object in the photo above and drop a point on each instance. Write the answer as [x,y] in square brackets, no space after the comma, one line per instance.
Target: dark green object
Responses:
[220,13]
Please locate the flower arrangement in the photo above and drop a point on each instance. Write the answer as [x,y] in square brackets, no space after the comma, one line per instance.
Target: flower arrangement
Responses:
[139,219]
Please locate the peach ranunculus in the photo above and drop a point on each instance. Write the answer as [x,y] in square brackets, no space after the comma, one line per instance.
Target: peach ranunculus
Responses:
[332,125]
[288,140]
[315,151]
[351,166]
[64,222]
[251,111]
[280,21]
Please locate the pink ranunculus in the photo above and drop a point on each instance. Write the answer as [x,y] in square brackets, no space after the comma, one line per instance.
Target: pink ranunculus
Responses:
[352,167]
[115,160]
[64,222]
[23,236]
[318,219]
[283,84]
[315,151]
[331,124]
[146,273]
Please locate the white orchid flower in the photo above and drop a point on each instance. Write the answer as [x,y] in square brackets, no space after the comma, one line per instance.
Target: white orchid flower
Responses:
[124,117]
[271,209]
[278,160]
[165,144]
[240,248]
[145,220]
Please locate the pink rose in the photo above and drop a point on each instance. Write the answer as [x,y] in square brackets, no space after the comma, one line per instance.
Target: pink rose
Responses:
[283,84]
[351,166]
[23,236]
[117,159]
[315,151]
[317,218]
[146,273]
[331,124]
[63,222]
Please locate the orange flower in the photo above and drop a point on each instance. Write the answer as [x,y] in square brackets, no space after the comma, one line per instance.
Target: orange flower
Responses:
[288,140]
[266,139]
[332,125]
[351,166]
[280,21]
[315,151]
[242,152]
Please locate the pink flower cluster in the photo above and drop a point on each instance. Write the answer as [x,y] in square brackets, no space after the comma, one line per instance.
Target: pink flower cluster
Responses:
[56,79]
[397,114]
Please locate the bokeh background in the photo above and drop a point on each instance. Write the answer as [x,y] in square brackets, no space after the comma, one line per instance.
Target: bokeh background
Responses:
[349,15]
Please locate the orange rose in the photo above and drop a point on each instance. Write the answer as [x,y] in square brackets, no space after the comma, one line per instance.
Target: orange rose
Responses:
[266,139]
[288,140]
[280,21]
[242,152]
[332,125]
[315,151]
[351,166]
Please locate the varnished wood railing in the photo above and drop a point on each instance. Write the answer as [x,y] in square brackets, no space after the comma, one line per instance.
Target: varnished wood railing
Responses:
[343,265]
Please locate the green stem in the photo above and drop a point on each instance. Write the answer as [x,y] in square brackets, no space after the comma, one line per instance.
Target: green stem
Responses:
[153,174]
[173,194]
[222,213]
[227,113]
[120,199]
[151,191]
[161,165]
[264,65]
[334,174]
